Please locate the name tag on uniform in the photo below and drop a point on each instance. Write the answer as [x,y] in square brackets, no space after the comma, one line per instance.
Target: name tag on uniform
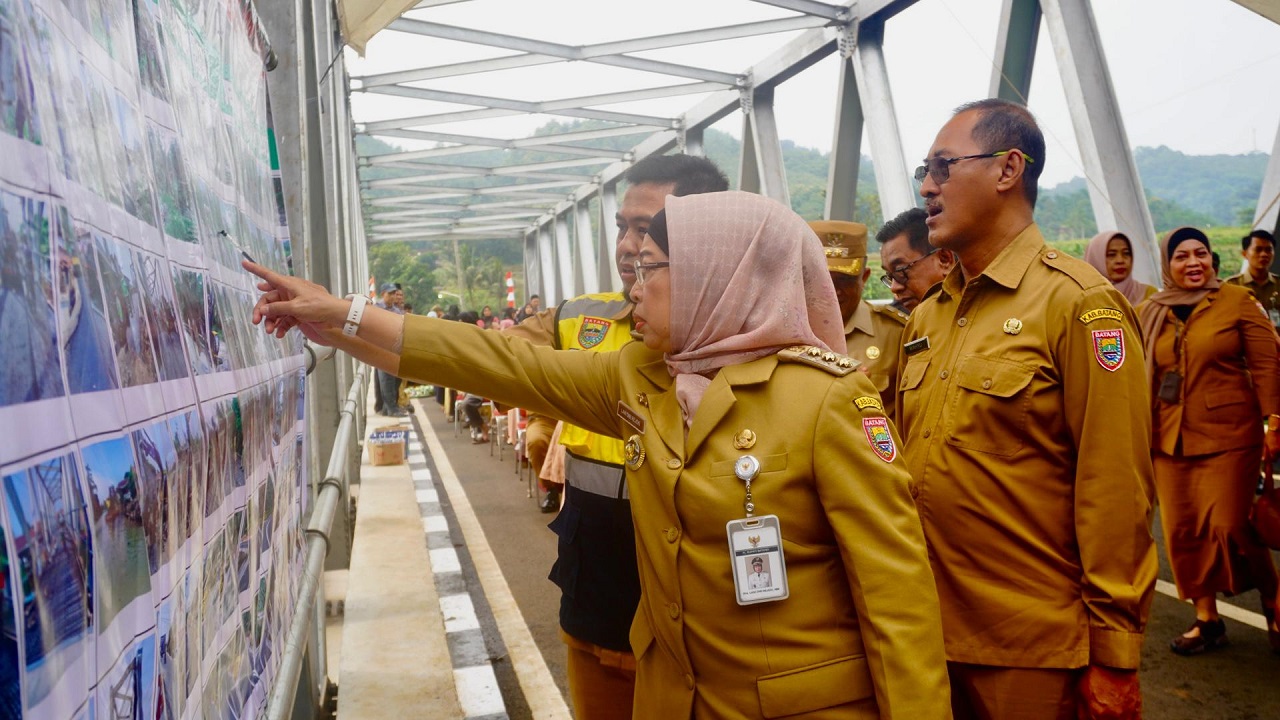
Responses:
[630,417]
[759,569]
[918,345]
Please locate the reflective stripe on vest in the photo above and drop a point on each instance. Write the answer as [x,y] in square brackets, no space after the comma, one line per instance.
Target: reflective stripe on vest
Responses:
[585,323]
[595,477]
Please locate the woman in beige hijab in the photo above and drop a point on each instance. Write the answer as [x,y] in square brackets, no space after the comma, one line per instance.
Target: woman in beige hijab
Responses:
[737,407]
[1211,352]
[1111,253]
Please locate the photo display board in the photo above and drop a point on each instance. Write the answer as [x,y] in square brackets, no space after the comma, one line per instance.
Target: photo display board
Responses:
[152,474]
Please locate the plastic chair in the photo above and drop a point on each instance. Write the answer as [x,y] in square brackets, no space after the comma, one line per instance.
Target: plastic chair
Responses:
[497,429]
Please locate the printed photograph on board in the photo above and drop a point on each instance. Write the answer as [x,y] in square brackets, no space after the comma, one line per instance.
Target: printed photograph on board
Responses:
[32,369]
[186,509]
[86,338]
[151,48]
[170,634]
[19,114]
[155,460]
[166,336]
[120,569]
[50,529]
[135,356]
[188,285]
[10,689]
[138,198]
[168,171]
[128,688]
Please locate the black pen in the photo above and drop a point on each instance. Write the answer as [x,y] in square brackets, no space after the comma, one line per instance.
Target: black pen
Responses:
[227,235]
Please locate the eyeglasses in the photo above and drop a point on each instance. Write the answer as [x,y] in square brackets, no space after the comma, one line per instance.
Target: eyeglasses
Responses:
[939,168]
[642,268]
[900,274]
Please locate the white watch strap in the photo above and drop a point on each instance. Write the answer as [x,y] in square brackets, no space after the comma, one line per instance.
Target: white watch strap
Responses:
[355,315]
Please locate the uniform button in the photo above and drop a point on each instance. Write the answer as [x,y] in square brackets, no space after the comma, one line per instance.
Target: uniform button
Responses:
[1052,255]
[927,433]
[674,611]
[915,490]
[673,534]
[986,384]
[673,463]
[962,322]
[944,374]
[688,681]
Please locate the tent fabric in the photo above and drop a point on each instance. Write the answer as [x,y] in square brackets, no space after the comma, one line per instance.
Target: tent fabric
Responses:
[362,19]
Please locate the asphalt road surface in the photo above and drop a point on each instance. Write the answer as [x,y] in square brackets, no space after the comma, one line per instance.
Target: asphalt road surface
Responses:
[1240,682]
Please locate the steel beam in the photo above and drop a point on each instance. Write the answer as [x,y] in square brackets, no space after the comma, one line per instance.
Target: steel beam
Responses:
[896,191]
[846,147]
[1115,188]
[1267,214]
[548,106]
[1015,50]
[606,277]
[771,171]
[811,7]
[532,265]
[587,52]
[489,113]
[564,52]
[564,258]
[586,258]
[517,143]
[550,288]
[693,142]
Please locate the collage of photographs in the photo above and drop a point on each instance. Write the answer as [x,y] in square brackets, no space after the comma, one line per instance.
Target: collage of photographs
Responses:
[153,505]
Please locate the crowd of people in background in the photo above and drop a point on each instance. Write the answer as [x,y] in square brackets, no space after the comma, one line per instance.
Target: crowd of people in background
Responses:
[1027,407]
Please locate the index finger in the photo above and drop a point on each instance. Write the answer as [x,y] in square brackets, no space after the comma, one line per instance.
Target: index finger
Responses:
[276,279]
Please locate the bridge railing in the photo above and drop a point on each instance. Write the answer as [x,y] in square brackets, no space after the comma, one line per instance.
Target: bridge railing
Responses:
[333,493]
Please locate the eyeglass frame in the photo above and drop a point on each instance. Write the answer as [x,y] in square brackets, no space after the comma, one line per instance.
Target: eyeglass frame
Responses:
[900,274]
[945,163]
[642,268]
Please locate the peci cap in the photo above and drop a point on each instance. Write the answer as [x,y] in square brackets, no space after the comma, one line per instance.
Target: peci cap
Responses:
[844,243]
[388,287]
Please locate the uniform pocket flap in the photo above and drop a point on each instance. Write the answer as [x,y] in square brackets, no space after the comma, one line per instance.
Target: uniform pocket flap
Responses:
[768,464]
[991,376]
[1225,397]
[813,687]
[913,372]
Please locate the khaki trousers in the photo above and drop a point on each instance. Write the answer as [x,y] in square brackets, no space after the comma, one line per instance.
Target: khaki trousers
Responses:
[984,692]
[602,682]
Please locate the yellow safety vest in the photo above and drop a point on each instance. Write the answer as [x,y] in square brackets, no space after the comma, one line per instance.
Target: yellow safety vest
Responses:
[586,323]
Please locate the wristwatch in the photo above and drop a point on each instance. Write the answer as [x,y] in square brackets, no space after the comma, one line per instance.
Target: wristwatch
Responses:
[355,314]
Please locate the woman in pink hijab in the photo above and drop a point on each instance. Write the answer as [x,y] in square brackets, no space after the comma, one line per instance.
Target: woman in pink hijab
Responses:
[748,435]
[1111,253]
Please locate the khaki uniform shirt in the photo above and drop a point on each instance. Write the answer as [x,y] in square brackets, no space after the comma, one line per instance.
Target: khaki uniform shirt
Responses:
[1267,293]
[1028,432]
[874,337]
[860,635]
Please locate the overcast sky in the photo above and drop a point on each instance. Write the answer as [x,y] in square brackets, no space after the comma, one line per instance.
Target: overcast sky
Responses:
[1195,75]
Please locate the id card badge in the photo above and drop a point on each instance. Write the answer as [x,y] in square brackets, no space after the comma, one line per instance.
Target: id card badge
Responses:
[759,570]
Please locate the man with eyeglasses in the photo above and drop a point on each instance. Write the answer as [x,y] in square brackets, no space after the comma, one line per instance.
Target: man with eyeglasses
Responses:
[1024,403]
[872,332]
[596,554]
[910,263]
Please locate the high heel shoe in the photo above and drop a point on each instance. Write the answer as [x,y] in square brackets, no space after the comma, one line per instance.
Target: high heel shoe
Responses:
[1273,635]
[1213,634]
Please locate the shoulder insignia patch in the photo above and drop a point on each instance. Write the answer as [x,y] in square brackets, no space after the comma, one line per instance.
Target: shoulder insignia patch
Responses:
[834,363]
[877,430]
[1100,313]
[1108,348]
[890,312]
[592,332]
[866,401]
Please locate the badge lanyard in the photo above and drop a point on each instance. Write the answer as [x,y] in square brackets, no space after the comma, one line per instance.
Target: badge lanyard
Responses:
[755,546]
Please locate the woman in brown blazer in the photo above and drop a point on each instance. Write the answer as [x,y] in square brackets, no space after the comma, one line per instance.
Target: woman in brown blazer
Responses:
[1212,356]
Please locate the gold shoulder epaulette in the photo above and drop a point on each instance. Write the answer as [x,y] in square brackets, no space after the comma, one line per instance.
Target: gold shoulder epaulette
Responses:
[891,312]
[832,362]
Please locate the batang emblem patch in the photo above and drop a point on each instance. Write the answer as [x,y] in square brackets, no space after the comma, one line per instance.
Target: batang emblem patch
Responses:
[592,332]
[1108,348]
[877,429]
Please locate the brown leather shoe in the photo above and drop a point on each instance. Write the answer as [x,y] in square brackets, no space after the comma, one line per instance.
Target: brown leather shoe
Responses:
[1213,635]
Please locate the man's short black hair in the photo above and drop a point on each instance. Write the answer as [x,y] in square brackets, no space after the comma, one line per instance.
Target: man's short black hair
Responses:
[692,175]
[1004,125]
[1261,234]
[911,222]
[1217,261]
